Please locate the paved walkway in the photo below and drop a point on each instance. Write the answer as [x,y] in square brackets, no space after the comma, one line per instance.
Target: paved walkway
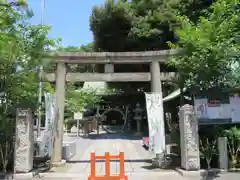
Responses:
[137,165]
[137,159]
[135,156]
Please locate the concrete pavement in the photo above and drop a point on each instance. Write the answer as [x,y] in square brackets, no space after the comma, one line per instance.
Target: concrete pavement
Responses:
[136,176]
[137,160]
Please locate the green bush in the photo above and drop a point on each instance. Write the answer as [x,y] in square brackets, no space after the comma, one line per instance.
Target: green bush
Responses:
[7,139]
[69,123]
[208,135]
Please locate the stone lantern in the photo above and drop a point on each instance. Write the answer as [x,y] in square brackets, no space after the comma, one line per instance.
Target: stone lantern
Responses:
[138,117]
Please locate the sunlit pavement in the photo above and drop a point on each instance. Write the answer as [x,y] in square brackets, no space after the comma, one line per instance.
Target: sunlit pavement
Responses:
[137,160]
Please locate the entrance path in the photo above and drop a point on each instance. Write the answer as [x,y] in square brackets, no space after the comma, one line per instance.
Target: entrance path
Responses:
[137,159]
[137,165]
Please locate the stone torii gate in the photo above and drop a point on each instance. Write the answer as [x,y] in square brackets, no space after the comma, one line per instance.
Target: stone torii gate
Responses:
[154,58]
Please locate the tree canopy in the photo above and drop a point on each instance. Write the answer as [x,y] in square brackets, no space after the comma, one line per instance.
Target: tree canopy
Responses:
[22,49]
[83,48]
[212,48]
[22,46]
[208,31]
[140,25]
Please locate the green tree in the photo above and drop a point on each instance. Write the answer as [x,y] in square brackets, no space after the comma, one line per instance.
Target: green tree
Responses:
[233,135]
[87,47]
[83,48]
[76,101]
[78,98]
[139,25]
[22,47]
[211,47]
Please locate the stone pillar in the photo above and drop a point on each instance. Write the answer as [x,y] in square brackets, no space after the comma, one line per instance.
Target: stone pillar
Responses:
[156,85]
[60,99]
[189,138]
[139,127]
[223,153]
[24,148]
[108,68]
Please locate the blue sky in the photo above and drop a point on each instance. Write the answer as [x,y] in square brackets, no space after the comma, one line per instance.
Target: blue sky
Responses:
[68,20]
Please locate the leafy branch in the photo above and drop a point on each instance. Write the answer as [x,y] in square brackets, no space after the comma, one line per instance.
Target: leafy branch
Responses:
[233,135]
[207,149]
[22,47]
[77,99]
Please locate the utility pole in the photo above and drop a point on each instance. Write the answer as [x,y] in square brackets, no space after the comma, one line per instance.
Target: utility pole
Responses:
[40,81]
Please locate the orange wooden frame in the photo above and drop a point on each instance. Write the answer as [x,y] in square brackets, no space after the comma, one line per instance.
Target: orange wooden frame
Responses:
[107,157]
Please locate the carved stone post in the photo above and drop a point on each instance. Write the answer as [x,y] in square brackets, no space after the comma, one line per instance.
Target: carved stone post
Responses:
[190,159]
[24,148]
[223,153]
[60,100]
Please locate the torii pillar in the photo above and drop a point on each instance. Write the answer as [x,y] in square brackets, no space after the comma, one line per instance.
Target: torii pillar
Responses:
[156,87]
[60,101]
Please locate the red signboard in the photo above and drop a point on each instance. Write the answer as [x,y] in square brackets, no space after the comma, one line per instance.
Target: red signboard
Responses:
[214,103]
